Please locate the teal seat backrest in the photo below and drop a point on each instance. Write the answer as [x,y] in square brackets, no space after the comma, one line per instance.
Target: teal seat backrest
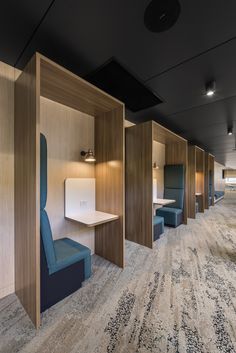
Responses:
[174,185]
[45,228]
[210,183]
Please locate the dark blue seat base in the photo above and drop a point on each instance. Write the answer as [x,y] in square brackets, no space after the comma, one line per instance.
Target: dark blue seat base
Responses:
[60,284]
[158,227]
[173,217]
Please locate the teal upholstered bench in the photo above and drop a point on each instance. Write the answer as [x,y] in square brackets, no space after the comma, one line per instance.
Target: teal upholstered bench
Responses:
[174,190]
[172,216]
[64,263]
[158,227]
[69,252]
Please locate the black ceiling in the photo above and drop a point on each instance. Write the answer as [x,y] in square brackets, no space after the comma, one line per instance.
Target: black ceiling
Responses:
[176,64]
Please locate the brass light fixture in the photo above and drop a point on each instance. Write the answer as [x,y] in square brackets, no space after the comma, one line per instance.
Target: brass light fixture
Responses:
[155,166]
[88,156]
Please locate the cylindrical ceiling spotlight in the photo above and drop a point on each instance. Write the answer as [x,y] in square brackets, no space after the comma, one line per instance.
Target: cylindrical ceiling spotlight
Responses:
[210,88]
[161,15]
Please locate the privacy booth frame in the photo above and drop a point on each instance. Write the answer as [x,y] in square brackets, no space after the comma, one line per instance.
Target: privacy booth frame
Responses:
[43,77]
[196,180]
[139,176]
[209,180]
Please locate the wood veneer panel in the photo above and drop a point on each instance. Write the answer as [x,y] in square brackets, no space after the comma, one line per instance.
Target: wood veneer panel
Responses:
[212,170]
[206,182]
[62,86]
[177,153]
[191,181]
[200,177]
[109,171]
[27,237]
[6,180]
[68,132]
[139,184]
[165,136]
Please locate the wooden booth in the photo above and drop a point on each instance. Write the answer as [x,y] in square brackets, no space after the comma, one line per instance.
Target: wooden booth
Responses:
[140,173]
[43,79]
[196,180]
[209,180]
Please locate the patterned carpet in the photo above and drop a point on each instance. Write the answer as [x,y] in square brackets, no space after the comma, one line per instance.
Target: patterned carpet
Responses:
[180,297]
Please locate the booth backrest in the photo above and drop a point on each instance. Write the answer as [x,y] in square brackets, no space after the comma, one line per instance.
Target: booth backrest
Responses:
[43,171]
[45,228]
[174,184]
[210,183]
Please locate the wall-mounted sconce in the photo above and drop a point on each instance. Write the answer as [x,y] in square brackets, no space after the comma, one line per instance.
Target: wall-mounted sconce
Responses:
[230,131]
[88,156]
[155,166]
[210,88]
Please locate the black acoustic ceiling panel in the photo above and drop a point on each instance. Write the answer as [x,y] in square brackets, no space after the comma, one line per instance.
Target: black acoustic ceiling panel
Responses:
[121,84]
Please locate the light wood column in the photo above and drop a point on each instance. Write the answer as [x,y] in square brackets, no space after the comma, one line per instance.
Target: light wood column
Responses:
[139,184]
[191,182]
[109,171]
[27,237]
[206,183]
[200,177]
[177,153]
[212,170]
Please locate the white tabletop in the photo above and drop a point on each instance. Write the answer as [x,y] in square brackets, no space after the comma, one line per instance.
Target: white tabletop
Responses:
[163,202]
[92,218]
[198,193]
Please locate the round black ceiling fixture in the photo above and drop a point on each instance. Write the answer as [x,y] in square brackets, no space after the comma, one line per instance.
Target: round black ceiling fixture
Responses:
[161,15]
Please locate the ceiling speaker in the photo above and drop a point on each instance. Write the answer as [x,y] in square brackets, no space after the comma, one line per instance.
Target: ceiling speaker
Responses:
[161,15]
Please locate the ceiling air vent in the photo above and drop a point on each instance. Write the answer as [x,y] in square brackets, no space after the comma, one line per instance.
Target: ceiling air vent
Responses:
[121,84]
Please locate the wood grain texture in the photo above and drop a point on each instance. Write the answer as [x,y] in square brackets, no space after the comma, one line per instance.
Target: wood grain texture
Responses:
[139,184]
[62,86]
[43,77]
[27,235]
[177,153]
[191,181]
[109,172]
[212,171]
[68,132]
[206,182]
[200,177]
[165,136]
[6,180]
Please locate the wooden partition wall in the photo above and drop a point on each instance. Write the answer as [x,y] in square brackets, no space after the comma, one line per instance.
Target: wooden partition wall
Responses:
[209,174]
[139,176]
[196,180]
[42,77]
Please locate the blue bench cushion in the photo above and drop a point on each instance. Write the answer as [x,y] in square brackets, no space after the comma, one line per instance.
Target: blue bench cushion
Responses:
[43,171]
[219,194]
[174,176]
[177,195]
[69,252]
[158,220]
[46,234]
[158,227]
[64,252]
[172,216]
[174,184]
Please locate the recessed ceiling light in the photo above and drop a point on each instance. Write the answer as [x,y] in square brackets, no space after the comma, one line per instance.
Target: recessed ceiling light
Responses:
[230,131]
[210,88]
[210,93]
